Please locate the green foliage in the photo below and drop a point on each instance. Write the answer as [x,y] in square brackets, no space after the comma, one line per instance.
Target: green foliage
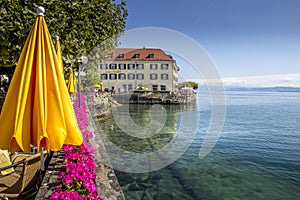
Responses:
[94,57]
[80,24]
[188,84]
[91,77]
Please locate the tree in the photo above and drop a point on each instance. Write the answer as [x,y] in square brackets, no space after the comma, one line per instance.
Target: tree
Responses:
[188,84]
[80,24]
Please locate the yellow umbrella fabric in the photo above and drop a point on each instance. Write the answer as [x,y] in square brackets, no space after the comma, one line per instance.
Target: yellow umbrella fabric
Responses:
[37,109]
[96,86]
[59,54]
[71,82]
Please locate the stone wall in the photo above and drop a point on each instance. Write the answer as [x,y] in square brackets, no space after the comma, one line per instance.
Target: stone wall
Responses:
[100,103]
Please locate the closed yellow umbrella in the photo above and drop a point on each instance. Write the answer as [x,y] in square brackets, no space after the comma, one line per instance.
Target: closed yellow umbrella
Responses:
[71,82]
[37,109]
[59,54]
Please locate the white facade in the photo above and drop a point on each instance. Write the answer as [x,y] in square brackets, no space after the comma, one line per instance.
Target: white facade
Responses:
[151,69]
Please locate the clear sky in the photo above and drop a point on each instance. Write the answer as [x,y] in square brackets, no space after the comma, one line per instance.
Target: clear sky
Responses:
[242,37]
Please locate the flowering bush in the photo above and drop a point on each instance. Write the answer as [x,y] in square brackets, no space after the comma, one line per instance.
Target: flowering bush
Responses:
[79,175]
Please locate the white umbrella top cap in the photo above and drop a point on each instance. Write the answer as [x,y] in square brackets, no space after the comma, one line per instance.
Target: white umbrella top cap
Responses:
[40,11]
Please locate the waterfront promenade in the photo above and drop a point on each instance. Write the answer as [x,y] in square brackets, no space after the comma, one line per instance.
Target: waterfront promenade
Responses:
[107,184]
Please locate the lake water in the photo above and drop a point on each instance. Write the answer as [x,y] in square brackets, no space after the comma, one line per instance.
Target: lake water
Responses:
[256,157]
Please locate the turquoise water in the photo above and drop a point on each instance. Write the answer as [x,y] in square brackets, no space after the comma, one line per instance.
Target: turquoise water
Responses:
[256,157]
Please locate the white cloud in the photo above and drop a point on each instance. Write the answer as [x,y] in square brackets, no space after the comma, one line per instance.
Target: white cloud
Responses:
[285,80]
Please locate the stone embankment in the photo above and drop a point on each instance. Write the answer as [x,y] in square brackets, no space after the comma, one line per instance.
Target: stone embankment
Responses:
[154,98]
[101,103]
[107,183]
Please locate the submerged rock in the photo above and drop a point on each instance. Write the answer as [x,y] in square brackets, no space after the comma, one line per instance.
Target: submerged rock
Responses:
[135,187]
[164,196]
[125,179]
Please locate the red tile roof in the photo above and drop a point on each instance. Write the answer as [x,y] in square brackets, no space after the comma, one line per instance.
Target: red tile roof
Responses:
[144,54]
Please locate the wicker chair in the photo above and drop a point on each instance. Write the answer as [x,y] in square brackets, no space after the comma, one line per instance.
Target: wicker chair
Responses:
[25,176]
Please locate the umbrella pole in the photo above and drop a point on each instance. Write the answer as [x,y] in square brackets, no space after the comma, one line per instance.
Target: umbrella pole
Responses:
[83,61]
[42,160]
[79,100]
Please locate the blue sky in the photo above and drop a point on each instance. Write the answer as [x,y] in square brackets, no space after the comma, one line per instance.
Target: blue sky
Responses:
[242,37]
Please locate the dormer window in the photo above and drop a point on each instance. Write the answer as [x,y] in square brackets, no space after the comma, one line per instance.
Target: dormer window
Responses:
[151,55]
[136,55]
[121,55]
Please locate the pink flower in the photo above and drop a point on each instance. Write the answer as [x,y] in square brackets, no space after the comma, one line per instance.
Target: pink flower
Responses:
[90,186]
[55,195]
[79,175]
[68,180]
[92,196]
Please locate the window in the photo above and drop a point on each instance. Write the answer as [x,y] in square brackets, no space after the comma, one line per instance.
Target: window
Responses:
[124,87]
[110,55]
[122,66]
[140,66]
[153,66]
[104,76]
[122,76]
[103,66]
[164,76]
[163,88]
[151,55]
[131,66]
[140,76]
[131,76]
[113,76]
[154,87]
[136,55]
[153,76]
[130,87]
[164,66]
[121,55]
[112,66]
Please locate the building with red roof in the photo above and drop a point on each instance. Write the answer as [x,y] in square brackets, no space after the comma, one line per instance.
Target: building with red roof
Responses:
[128,69]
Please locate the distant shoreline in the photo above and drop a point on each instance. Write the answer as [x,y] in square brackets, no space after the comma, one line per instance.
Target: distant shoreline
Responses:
[264,89]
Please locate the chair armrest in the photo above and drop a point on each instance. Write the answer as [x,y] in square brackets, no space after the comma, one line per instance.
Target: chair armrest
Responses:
[19,156]
[12,165]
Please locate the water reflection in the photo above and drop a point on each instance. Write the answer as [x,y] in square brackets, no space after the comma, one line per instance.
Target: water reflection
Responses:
[257,156]
[175,131]
[140,115]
